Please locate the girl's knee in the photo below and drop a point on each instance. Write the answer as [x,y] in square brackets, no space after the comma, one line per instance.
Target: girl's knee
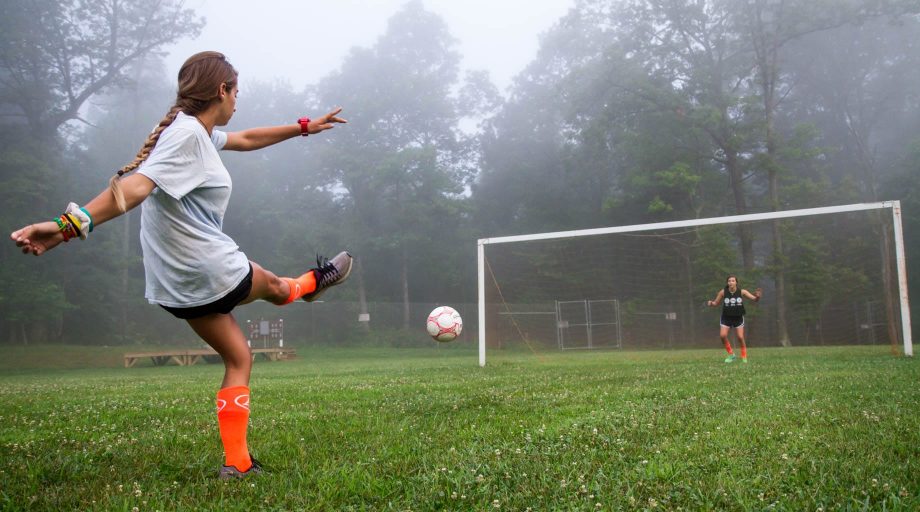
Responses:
[239,361]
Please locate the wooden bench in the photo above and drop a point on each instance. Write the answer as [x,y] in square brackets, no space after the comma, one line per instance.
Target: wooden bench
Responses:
[191,356]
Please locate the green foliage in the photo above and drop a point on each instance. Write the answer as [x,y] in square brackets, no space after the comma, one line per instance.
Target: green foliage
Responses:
[631,112]
[905,186]
[56,54]
[401,160]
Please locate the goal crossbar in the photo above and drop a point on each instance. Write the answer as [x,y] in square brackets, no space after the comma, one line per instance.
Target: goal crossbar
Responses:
[895,207]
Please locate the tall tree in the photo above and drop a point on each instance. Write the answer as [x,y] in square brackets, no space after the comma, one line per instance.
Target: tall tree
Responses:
[769,26]
[56,54]
[118,123]
[401,158]
[692,50]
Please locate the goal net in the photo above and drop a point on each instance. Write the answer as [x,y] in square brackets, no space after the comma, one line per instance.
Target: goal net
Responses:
[840,279]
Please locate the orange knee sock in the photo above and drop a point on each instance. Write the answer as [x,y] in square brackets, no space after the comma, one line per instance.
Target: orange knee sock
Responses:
[300,286]
[233,419]
[744,351]
[728,347]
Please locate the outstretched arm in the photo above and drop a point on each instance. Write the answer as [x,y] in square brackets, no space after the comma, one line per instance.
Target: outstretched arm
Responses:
[755,296]
[258,138]
[718,300]
[44,236]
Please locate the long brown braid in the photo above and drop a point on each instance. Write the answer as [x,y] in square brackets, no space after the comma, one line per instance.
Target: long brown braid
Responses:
[200,79]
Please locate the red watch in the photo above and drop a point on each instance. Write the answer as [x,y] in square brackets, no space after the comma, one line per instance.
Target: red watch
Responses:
[304,125]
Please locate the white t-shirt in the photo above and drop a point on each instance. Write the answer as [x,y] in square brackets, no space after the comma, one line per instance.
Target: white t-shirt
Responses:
[188,260]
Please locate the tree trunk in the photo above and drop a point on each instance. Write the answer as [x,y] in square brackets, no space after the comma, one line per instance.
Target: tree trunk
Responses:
[362,294]
[890,288]
[688,268]
[766,48]
[779,277]
[744,230]
[405,287]
[779,258]
[867,163]
[125,258]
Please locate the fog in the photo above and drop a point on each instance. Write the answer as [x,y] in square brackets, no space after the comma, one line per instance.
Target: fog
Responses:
[472,120]
[301,41]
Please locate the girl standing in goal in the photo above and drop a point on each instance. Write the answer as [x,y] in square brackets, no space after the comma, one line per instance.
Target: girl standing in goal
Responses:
[193,270]
[731,298]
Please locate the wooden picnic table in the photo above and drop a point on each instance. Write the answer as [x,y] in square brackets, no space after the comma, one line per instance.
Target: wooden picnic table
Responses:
[188,357]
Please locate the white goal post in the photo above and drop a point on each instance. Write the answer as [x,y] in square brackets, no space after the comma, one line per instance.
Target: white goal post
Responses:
[899,256]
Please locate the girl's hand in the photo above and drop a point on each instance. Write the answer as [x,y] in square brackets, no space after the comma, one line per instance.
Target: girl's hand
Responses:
[38,238]
[326,122]
[758,293]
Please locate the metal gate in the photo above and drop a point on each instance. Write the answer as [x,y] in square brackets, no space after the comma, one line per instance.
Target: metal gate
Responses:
[588,324]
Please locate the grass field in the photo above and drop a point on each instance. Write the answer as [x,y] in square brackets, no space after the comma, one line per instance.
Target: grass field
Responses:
[795,429]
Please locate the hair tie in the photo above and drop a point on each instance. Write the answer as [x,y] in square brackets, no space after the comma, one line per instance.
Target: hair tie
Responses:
[121,172]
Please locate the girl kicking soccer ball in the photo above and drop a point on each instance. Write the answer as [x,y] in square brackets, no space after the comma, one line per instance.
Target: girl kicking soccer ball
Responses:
[732,300]
[193,270]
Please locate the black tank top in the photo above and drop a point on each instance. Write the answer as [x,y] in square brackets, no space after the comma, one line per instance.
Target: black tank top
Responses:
[732,305]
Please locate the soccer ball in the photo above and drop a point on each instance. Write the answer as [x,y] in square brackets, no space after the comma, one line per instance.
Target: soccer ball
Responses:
[444,324]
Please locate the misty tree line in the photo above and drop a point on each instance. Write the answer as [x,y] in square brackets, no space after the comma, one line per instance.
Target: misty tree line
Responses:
[632,112]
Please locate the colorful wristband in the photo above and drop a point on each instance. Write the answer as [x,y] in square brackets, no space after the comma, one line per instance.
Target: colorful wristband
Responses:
[304,126]
[84,210]
[80,220]
[65,227]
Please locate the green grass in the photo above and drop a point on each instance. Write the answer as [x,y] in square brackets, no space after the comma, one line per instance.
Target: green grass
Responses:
[795,429]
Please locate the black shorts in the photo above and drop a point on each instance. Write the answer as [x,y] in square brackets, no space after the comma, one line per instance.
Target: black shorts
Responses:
[222,305]
[731,321]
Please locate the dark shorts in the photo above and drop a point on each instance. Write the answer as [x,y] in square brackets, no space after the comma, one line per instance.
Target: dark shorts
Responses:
[222,305]
[732,321]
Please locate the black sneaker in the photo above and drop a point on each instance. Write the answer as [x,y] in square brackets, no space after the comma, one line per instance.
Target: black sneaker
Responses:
[231,473]
[330,273]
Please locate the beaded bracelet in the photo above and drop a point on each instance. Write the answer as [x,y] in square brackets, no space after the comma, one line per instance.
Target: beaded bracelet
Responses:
[67,229]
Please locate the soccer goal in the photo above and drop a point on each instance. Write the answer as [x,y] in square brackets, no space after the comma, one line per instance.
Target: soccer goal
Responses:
[830,276]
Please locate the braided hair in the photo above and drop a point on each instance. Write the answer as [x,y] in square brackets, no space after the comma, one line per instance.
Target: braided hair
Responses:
[200,79]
